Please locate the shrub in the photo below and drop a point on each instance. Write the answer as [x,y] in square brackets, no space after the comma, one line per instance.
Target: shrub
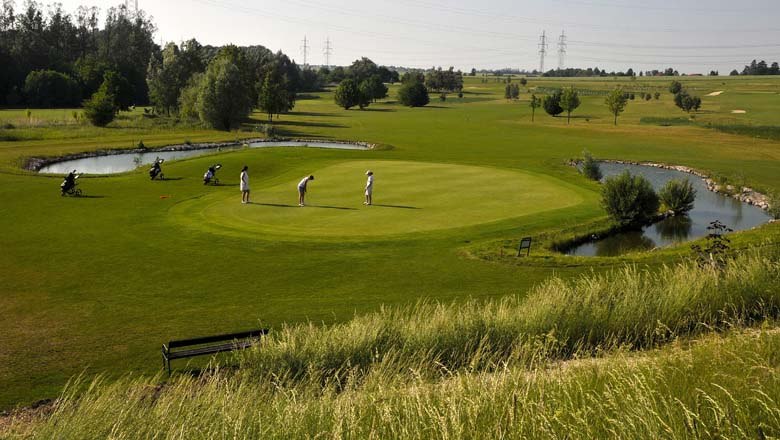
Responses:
[629,199]
[678,196]
[100,109]
[552,103]
[413,94]
[657,95]
[675,87]
[47,88]
[590,167]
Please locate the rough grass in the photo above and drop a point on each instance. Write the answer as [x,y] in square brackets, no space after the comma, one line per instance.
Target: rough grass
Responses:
[483,370]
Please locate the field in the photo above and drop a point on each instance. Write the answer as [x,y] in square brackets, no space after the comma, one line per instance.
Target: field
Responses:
[94,285]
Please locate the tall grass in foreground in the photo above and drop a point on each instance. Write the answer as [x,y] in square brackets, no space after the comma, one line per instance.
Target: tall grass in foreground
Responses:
[723,387]
[484,370]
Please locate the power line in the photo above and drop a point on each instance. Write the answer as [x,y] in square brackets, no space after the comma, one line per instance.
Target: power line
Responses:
[327,51]
[542,50]
[561,50]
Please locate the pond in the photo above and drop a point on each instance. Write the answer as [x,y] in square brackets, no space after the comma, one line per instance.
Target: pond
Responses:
[709,206]
[124,162]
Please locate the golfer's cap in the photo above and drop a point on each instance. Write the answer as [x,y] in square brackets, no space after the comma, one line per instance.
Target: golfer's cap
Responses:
[369,172]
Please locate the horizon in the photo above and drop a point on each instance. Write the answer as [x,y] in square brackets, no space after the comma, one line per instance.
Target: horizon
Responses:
[604,34]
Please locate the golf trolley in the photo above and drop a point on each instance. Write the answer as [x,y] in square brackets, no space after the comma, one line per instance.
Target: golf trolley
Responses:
[155,172]
[68,187]
[211,175]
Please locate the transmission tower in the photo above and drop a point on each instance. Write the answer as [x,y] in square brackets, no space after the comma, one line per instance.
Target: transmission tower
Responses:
[305,49]
[327,51]
[542,51]
[561,50]
[131,5]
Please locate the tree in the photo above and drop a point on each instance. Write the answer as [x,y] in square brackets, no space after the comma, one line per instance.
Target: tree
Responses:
[347,94]
[678,196]
[535,103]
[570,100]
[629,199]
[508,92]
[734,72]
[616,102]
[473,72]
[121,88]
[686,101]
[375,88]
[552,103]
[523,81]
[224,98]
[188,98]
[100,109]
[273,97]
[675,87]
[47,89]
[657,95]
[365,94]
[413,94]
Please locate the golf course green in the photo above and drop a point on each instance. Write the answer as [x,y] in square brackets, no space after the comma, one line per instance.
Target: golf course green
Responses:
[412,197]
[94,285]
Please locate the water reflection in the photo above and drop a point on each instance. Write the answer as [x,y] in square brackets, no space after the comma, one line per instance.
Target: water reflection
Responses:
[709,207]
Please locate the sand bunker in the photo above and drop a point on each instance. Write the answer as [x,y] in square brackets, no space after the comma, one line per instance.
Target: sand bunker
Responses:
[716,93]
[738,112]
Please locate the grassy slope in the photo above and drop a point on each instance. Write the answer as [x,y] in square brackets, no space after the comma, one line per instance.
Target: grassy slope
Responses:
[120,273]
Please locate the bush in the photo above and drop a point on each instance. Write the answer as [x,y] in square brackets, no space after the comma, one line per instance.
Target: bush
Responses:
[552,103]
[47,89]
[413,94]
[100,109]
[629,199]
[675,87]
[590,167]
[678,196]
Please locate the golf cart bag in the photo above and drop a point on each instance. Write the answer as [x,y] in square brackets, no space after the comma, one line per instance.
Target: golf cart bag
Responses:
[156,170]
[211,175]
[68,185]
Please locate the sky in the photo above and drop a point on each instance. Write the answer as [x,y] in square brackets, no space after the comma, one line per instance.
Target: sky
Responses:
[693,36]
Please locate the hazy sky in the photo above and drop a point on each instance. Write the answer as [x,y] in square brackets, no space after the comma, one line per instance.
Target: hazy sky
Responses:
[690,35]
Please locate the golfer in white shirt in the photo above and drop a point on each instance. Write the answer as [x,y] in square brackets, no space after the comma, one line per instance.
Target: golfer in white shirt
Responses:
[369,187]
[245,185]
[302,189]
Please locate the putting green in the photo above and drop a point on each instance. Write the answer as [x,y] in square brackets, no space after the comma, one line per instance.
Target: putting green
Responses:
[408,197]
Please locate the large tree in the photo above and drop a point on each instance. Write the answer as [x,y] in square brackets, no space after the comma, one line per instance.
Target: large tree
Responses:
[552,103]
[224,98]
[413,94]
[347,94]
[273,97]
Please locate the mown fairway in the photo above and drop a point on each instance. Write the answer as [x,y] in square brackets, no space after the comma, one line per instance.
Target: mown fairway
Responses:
[96,284]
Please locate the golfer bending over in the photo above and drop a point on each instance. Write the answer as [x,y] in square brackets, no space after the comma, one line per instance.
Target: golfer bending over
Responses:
[244,185]
[369,187]
[302,189]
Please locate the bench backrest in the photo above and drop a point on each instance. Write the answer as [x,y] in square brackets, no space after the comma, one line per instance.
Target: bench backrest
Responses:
[218,338]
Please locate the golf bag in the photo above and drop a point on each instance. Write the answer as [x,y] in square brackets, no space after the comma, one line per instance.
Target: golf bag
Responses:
[156,170]
[211,175]
[68,185]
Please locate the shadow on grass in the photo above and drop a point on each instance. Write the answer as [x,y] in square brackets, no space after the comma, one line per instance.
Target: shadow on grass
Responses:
[281,205]
[284,122]
[380,110]
[316,114]
[395,206]
[168,178]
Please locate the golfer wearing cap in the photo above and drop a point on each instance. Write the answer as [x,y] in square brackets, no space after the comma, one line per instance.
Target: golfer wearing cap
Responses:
[369,187]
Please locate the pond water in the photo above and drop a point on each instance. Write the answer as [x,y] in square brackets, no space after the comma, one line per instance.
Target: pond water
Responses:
[124,162]
[709,206]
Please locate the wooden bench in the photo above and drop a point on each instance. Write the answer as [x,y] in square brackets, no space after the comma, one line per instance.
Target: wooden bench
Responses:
[186,348]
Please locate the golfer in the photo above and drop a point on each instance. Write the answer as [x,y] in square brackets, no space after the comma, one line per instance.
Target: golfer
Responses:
[302,189]
[244,185]
[369,187]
